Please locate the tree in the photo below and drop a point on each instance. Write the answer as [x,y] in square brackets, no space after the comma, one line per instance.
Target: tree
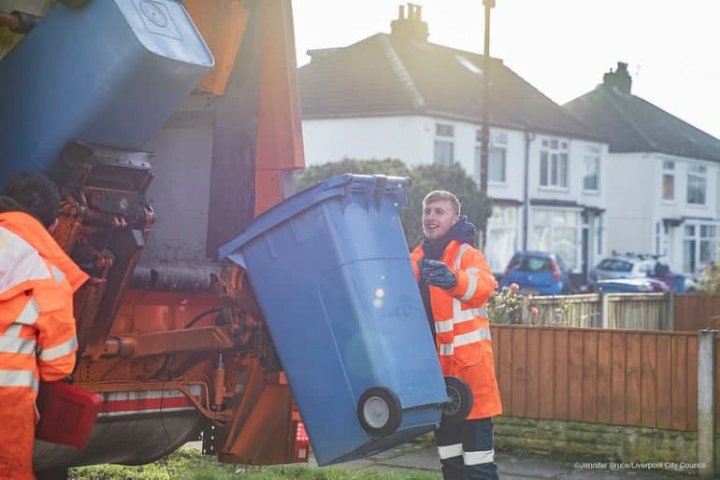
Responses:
[425,178]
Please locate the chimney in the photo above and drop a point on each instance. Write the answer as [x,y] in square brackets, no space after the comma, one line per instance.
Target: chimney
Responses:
[619,79]
[412,27]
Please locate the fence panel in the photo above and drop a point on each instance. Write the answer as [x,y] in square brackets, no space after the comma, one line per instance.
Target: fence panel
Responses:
[629,311]
[621,377]
[565,310]
[697,312]
[647,311]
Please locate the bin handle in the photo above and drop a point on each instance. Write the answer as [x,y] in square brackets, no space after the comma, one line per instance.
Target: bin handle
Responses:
[380,182]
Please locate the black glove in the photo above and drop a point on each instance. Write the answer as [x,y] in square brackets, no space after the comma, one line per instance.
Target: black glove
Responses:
[433,272]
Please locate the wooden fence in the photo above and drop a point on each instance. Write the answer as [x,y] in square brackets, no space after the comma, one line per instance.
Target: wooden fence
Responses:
[634,311]
[619,377]
[566,310]
[648,311]
[696,312]
[644,311]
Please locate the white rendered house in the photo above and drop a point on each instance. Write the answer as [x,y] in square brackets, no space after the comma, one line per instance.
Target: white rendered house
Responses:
[399,96]
[662,176]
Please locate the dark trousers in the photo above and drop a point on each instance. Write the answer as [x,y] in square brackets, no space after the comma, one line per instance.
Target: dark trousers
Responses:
[466,450]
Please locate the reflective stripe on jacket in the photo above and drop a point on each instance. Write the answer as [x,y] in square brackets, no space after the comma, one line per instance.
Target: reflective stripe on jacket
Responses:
[462,327]
[37,330]
[37,282]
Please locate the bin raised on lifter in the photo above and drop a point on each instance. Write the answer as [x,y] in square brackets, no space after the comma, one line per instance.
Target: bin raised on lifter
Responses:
[331,270]
[109,74]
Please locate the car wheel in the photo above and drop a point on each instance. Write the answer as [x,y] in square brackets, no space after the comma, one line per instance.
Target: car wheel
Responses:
[379,411]
[460,400]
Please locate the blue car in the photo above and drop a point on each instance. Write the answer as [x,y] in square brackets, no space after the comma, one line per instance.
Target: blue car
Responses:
[540,272]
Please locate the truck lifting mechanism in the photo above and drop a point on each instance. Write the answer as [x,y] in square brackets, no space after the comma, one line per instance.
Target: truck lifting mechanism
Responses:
[168,126]
[173,130]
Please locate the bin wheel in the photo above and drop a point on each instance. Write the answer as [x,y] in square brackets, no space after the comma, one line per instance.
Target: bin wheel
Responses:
[75,3]
[379,411]
[460,400]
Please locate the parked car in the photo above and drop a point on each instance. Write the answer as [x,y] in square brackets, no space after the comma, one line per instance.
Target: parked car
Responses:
[631,285]
[640,266]
[540,272]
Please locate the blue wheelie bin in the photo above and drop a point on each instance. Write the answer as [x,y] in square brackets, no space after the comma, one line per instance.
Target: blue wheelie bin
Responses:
[331,271]
[110,74]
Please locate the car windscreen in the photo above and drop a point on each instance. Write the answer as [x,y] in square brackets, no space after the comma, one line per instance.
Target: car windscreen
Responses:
[534,264]
[615,265]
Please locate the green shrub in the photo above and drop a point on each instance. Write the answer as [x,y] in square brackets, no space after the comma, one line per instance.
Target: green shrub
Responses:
[509,305]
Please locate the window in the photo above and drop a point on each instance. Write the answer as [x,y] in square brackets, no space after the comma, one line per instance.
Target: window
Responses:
[502,236]
[615,265]
[591,180]
[554,164]
[444,146]
[444,130]
[468,64]
[556,231]
[696,184]
[599,236]
[496,164]
[698,246]
[443,152]
[668,182]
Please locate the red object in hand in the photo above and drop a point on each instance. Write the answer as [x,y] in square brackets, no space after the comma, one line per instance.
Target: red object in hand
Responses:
[67,414]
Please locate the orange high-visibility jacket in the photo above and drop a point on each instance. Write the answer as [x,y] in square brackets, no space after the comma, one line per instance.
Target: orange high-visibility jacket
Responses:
[462,327]
[37,330]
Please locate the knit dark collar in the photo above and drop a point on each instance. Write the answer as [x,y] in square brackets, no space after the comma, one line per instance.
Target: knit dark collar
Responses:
[463,231]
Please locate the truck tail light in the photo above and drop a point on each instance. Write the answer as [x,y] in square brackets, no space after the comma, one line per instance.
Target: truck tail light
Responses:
[302,443]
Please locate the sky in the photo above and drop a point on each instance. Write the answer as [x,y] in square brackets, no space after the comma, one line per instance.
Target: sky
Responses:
[562,47]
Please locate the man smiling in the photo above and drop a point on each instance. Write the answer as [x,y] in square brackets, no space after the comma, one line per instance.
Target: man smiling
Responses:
[456,283]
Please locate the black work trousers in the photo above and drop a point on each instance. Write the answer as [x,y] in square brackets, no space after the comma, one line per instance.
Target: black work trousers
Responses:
[466,450]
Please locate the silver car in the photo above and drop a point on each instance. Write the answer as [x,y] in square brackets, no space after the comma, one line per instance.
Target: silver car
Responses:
[626,266]
[640,266]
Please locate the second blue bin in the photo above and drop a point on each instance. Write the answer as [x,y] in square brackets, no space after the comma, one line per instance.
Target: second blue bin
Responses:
[331,271]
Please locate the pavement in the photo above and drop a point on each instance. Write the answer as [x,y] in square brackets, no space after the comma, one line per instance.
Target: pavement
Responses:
[411,457]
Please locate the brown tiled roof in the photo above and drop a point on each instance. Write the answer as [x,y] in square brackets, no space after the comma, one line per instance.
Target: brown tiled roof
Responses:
[389,75]
[633,125]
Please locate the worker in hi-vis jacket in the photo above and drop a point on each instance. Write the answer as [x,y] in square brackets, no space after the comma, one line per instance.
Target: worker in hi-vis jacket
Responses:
[37,329]
[456,283]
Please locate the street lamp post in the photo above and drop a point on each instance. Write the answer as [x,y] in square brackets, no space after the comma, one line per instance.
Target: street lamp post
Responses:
[485,132]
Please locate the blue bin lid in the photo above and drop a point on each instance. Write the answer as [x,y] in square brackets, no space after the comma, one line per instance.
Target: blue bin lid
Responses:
[338,186]
[164,28]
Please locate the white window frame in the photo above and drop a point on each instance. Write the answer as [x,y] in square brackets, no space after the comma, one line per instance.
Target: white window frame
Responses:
[504,221]
[592,152]
[697,172]
[697,239]
[549,224]
[444,136]
[668,170]
[498,143]
[555,154]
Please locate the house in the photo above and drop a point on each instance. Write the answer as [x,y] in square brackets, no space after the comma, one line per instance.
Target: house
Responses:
[662,176]
[398,95]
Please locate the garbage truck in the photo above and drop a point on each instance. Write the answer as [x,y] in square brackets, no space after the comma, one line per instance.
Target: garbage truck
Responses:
[173,131]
